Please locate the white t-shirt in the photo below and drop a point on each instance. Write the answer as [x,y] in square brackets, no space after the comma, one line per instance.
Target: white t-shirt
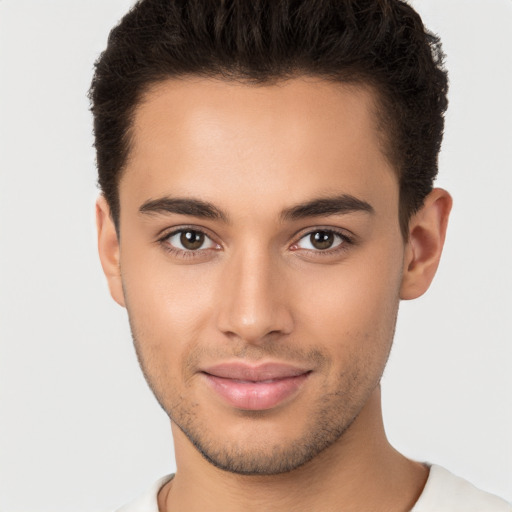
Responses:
[443,492]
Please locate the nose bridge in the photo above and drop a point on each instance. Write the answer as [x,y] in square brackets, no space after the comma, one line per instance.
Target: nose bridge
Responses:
[252,304]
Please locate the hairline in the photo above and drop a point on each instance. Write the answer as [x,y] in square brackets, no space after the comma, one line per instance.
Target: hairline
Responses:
[378,100]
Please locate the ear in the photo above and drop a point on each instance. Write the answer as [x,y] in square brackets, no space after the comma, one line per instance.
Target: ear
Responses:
[108,248]
[427,231]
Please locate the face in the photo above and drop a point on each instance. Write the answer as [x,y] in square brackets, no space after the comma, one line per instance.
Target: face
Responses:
[261,263]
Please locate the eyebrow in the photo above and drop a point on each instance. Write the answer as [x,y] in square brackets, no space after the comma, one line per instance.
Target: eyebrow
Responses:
[337,205]
[193,207]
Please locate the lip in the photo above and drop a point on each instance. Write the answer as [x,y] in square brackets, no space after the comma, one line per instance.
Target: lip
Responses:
[255,387]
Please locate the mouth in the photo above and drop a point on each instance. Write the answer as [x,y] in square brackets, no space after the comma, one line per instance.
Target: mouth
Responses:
[255,388]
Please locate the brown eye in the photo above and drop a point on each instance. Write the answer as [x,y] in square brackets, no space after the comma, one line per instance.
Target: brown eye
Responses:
[322,239]
[191,240]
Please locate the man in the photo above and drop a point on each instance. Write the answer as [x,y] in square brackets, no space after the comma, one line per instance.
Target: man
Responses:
[267,200]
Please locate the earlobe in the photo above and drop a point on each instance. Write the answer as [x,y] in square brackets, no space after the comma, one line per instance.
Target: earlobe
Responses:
[108,248]
[427,231]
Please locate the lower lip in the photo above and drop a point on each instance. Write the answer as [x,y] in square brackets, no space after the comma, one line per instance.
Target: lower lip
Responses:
[256,396]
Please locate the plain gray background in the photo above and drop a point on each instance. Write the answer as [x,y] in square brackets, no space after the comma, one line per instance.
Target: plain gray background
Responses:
[79,429]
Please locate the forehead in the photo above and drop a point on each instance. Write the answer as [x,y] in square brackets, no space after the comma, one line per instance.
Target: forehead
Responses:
[212,138]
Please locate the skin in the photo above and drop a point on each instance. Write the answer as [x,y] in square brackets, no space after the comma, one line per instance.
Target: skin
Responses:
[257,290]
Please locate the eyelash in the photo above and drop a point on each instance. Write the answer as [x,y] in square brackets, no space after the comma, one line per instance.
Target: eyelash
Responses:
[163,241]
[343,246]
[346,242]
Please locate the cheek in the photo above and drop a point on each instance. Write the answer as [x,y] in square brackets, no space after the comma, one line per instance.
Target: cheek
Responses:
[168,308]
[351,308]
[168,305]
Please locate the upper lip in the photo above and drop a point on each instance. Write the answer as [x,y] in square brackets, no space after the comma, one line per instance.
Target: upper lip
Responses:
[260,372]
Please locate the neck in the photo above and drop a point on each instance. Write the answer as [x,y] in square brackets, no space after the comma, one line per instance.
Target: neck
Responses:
[360,472]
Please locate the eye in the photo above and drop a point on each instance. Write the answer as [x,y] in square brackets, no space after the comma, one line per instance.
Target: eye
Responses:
[190,240]
[321,240]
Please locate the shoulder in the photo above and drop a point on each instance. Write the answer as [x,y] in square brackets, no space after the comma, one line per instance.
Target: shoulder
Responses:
[147,502]
[445,492]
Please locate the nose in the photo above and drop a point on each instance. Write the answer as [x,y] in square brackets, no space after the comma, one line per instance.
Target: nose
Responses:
[252,299]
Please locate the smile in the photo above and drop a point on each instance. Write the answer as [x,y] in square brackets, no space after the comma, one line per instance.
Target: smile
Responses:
[255,388]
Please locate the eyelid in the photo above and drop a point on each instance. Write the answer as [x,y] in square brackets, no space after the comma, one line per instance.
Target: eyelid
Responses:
[347,236]
[348,239]
[164,234]
[172,230]
[175,238]
[342,232]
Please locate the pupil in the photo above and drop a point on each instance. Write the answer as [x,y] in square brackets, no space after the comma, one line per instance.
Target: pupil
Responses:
[322,239]
[192,240]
